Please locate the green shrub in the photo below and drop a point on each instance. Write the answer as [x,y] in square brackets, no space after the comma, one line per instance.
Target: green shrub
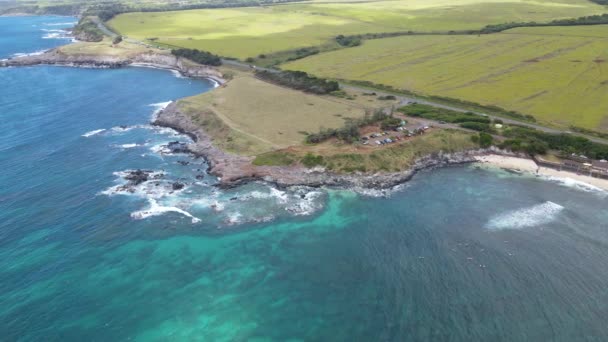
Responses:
[311,160]
[485,140]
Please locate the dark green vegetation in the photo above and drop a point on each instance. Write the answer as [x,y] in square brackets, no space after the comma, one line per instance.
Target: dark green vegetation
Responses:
[274,59]
[518,138]
[533,141]
[300,81]
[484,140]
[201,57]
[466,120]
[590,20]
[348,41]
[87,30]
[117,40]
[350,131]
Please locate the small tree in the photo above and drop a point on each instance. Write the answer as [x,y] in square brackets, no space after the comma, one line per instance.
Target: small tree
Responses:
[485,140]
[117,40]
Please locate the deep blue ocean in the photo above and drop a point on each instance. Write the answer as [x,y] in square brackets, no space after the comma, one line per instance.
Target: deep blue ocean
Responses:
[457,254]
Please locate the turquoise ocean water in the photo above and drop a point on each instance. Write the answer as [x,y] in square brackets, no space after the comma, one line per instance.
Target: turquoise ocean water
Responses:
[458,254]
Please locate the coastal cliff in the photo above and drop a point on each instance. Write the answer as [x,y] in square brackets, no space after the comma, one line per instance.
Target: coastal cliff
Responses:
[148,59]
[234,170]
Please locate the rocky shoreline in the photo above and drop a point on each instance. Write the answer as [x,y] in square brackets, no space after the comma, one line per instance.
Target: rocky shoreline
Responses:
[149,59]
[234,170]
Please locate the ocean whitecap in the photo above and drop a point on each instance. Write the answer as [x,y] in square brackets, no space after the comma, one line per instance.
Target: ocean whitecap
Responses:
[156,209]
[526,217]
[92,133]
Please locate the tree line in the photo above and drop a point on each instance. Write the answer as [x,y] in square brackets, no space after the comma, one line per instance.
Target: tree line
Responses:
[589,20]
[198,56]
[299,80]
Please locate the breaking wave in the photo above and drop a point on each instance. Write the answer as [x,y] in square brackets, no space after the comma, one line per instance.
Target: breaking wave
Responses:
[56,34]
[36,53]
[157,209]
[158,107]
[575,184]
[61,24]
[526,217]
[92,133]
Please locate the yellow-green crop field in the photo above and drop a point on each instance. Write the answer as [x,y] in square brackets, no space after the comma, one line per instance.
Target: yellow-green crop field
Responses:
[248,32]
[557,74]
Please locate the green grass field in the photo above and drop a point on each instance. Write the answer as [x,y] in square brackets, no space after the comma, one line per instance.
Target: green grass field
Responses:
[557,74]
[248,32]
[267,117]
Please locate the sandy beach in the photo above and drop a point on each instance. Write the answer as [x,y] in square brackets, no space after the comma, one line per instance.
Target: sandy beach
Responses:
[528,165]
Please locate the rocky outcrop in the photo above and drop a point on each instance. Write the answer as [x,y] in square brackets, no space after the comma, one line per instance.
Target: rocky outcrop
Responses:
[150,59]
[234,170]
[55,57]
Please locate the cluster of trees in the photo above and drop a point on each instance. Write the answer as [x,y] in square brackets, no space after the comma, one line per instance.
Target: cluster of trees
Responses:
[589,20]
[303,52]
[493,109]
[198,56]
[442,114]
[299,80]
[533,141]
[466,120]
[87,30]
[484,140]
[600,2]
[348,41]
[350,131]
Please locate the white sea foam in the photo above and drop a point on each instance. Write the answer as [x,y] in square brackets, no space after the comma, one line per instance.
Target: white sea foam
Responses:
[281,196]
[56,34]
[307,205]
[61,24]
[177,73]
[92,133]
[23,54]
[158,107]
[157,129]
[126,146]
[526,217]
[576,184]
[156,209]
